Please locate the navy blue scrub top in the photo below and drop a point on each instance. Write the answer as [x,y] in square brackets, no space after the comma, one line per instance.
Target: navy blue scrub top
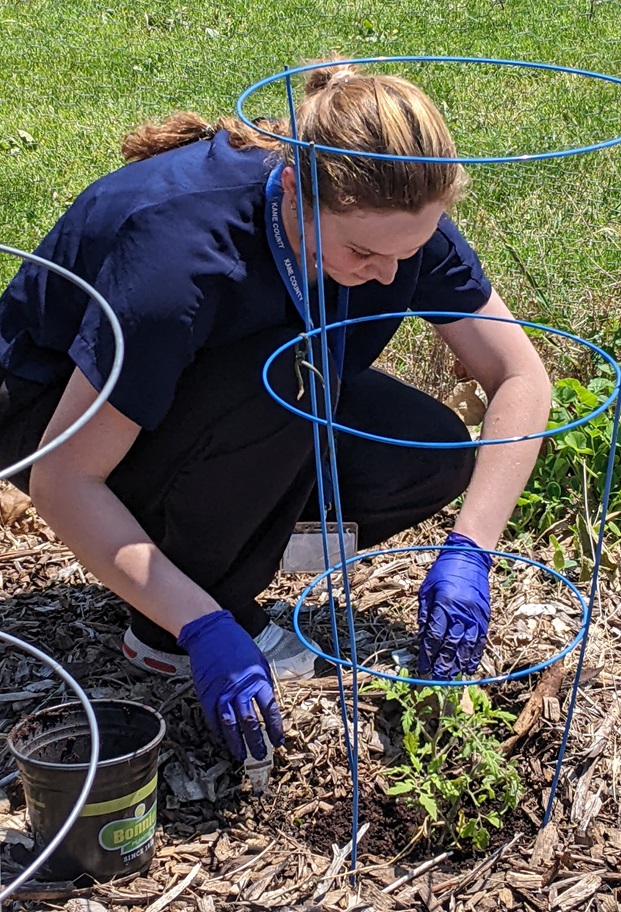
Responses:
[177,245]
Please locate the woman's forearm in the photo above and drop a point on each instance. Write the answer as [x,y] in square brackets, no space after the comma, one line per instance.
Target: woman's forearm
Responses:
[501,471]
[112,545]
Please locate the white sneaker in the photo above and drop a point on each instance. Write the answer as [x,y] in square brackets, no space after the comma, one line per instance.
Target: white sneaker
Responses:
[154,660]
[287,656]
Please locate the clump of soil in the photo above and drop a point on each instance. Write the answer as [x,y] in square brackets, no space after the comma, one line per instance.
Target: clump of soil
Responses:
[394,826]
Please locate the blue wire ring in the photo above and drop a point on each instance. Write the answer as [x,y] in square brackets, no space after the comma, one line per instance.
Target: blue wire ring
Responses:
[430,682]
[456,444]
[474,160]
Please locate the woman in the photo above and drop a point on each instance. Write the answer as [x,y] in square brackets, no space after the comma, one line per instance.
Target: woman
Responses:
[182,493]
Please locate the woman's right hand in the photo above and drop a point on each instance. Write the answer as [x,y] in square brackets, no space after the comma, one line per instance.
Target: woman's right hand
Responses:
[231,675]
[69,489]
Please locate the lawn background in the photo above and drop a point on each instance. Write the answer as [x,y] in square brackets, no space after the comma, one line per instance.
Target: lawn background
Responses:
[76,75]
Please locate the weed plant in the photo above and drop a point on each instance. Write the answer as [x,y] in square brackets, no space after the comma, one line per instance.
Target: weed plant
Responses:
[562,501]
[454,771]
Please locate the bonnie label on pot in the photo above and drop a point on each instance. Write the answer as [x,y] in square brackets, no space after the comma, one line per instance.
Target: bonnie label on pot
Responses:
[131,833]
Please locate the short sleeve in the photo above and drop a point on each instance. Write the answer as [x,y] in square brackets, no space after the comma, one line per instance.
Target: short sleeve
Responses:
[151,291]
[451,277]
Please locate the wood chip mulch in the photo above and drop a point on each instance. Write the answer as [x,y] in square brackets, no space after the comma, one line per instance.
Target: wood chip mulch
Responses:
[220,847]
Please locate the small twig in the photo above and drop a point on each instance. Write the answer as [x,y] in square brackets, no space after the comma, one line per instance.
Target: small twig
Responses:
[173,893]
[19,553]
[420,832]
[425,866]
[458,884]
[339,857]
[243,867]
[48,892]
[587,513]
[178,692]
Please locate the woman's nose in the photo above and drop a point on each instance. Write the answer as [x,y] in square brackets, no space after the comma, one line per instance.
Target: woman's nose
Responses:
[384,269]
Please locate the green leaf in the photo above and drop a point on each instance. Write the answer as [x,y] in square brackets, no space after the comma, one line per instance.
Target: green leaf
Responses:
[480,838]
[564,392]
[558,559]
[429,804]
[26,138]
[406,720]
[468,830]
[576,440]
[401,788]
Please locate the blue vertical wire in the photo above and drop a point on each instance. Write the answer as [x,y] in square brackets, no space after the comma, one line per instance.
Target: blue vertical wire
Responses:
[336,501]
[306,294]
[313,393]
[352,761]
[596,565]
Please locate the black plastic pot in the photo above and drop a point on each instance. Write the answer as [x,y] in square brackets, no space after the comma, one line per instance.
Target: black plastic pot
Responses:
[114,833]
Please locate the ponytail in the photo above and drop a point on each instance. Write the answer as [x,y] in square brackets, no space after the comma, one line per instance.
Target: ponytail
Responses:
[179,129]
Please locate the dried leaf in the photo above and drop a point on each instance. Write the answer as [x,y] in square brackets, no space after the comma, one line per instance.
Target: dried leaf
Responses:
[82,904]
[505,898]
[223,849]
[174,892]
[466,704]
[577,895]
[545,846]
[466,402]
[185,787]
[13,505]
[206,904]
[26,138]
[608,835]
[607,903]
[9,836]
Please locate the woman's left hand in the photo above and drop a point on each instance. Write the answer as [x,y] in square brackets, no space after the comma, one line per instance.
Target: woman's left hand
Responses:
[454,610]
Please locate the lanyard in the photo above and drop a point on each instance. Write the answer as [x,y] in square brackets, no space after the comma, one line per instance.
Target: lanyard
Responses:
[287,265]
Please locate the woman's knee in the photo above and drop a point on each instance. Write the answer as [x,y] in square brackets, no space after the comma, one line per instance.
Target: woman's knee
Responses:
[457,456]
[385,487]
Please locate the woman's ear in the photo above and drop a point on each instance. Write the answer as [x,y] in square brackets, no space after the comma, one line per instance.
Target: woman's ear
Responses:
[288,184]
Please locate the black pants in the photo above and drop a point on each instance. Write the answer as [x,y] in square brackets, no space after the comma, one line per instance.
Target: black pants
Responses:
[221,482]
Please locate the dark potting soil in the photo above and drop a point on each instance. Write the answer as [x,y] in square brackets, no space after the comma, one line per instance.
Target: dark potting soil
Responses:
[393,824]
[61,735]
[70,749]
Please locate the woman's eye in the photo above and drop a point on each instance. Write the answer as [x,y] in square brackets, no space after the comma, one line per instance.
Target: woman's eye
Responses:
[360,256]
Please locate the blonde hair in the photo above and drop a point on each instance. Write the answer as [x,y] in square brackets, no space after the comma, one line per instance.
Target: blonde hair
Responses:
[343,107]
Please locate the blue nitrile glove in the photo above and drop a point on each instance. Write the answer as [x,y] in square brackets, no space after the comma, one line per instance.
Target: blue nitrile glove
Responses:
[454,611]
[230,672]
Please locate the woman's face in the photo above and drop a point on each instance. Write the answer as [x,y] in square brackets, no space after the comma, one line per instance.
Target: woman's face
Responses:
[360,245]
[367,244]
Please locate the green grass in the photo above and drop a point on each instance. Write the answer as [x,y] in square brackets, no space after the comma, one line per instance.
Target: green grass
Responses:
[76,75]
